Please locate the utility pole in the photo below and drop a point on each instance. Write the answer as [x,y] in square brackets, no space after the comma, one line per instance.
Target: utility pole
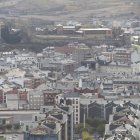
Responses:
[18,100]
[84,118]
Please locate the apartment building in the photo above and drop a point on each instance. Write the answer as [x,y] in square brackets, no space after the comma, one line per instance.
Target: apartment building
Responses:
[122,55]
[52,123]
[71,99]
[35,99]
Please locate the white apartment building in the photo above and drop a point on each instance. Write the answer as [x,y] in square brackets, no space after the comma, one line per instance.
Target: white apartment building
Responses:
[73,100]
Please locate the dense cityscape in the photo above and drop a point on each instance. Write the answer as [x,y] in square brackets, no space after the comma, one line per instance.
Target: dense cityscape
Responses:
[69,80]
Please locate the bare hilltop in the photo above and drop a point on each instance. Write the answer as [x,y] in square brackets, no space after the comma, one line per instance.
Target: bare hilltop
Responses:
[73,9]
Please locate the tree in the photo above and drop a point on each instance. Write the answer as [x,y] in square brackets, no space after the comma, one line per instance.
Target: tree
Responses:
[86,136]
[95,122]
[8,126]
[2,128]
[98,125]
[101,129]
[9,36]
[2,138]
[80,127]
[17,126]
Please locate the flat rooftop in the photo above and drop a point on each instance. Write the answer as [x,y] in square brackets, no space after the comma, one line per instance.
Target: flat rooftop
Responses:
[10,112]
[95,29]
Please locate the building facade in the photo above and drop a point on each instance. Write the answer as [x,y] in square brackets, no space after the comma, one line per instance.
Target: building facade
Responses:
[71,99]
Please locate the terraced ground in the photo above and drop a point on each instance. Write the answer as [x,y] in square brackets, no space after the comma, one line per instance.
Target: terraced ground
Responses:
[75,9]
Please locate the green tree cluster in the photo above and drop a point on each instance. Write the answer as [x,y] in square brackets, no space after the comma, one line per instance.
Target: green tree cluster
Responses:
[98,125]
[2,138]
[86,136]
[17,126]
[80,127]
[5,127]
[10,37]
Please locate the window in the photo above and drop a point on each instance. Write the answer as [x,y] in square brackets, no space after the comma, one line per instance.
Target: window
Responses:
[43,110]
[3,122]
[73,101]
[35,118]
[27,127]
[31,126]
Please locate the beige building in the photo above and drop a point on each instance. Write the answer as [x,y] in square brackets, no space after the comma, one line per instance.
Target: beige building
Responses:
[126,83]
[12,101]
[122,55]
[81,53]
[116,68]
[99,33]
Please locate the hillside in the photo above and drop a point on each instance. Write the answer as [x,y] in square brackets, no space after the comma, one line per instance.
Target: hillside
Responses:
[75,9]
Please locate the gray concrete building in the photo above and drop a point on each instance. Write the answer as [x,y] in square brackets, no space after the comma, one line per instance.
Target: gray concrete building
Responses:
[35,99]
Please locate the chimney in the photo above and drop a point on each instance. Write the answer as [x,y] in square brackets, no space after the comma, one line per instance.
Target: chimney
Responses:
[87,66]
[80,83]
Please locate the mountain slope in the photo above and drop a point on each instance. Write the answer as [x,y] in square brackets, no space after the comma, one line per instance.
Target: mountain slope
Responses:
[75,9]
